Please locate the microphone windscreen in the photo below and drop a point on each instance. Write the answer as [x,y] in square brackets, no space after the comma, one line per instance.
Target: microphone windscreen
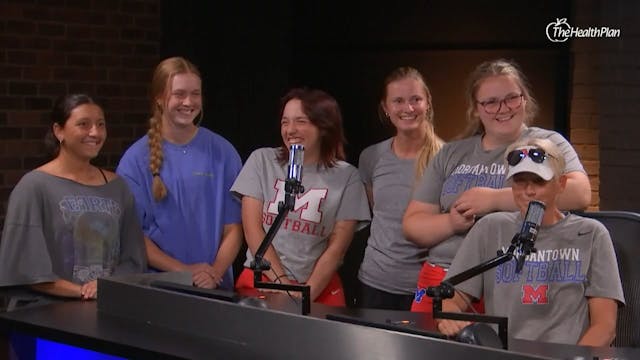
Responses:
[296,159]
[535,212]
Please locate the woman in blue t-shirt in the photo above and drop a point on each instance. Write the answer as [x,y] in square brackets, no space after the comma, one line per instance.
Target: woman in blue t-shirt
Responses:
[180,175]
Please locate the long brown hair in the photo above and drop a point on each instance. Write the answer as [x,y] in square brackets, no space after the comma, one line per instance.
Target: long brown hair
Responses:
[432,143]
[323,112]
[158,96]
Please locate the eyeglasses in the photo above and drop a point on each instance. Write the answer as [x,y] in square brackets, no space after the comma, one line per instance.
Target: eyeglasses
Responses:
[537,155]
[492,106]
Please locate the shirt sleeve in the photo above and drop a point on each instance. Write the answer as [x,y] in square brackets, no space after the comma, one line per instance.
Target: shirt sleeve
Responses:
[248,181]
[133,257]
[365,165]
[430,186]
[470,254]
[231,203]
[24,254]
[140,186]
[603,276]
[572,161]
[354,204]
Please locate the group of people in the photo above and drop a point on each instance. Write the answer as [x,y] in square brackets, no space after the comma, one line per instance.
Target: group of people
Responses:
[181,200]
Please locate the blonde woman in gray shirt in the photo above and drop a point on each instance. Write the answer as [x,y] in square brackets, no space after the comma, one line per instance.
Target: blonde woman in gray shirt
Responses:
[389,169]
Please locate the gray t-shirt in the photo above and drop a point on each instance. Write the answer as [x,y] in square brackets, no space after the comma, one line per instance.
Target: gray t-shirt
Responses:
[331,194]
[391,263]
[57,228]
[463,164]
[547,301]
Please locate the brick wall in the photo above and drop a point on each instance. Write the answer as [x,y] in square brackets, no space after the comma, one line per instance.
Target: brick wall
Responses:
[105,48]
[605,113]
[619,95]
[585,116]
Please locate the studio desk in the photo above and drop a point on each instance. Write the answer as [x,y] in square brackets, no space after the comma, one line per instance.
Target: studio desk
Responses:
[135,320]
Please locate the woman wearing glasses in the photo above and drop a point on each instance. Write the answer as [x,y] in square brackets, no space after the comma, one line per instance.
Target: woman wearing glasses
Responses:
[466,179]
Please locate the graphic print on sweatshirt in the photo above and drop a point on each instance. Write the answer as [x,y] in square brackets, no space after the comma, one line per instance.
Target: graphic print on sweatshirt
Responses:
[544,272]
[91,235]
[465,176]
[306,217]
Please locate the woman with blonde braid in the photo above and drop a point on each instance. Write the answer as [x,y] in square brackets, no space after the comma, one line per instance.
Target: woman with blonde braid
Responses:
[180,175]
[389,270]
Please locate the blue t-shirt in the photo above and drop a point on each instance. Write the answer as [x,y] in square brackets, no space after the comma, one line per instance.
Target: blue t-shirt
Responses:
[188,223]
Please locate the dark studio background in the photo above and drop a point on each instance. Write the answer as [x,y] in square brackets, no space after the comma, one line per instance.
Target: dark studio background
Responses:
[250,54]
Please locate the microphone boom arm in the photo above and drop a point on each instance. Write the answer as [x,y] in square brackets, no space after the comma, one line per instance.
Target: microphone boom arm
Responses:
[521,246]
[446,288]
[260,264]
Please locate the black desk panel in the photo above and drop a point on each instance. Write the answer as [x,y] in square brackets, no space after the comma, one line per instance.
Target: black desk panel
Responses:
[134,320]
[274,334]
[79,324]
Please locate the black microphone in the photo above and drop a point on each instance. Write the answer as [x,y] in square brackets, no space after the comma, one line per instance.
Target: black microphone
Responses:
[293,184]
[525,239]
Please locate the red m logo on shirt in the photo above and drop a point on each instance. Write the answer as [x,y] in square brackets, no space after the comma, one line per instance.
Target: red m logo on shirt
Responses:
[535,295]
[309,202]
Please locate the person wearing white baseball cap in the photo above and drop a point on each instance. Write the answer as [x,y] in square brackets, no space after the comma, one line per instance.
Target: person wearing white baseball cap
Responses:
[569,289]
[466,178]
[531,159]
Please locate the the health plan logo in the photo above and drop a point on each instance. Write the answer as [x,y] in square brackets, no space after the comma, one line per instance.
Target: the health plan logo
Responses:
[561,31]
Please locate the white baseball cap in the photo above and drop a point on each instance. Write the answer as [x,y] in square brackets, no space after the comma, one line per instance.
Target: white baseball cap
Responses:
[530,159]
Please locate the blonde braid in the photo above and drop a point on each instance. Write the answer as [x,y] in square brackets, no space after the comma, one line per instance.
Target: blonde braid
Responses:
[158,188]
[159,93]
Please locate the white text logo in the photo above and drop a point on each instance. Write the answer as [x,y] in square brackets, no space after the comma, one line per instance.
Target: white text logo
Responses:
[561,31]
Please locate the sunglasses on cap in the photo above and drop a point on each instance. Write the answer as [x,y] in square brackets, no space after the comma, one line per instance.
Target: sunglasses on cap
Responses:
[537,155]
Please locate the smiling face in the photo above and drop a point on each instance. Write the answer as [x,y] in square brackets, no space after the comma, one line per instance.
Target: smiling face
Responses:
[506,122]
[406,104]
[83,133]
[297,128]
[183,100]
